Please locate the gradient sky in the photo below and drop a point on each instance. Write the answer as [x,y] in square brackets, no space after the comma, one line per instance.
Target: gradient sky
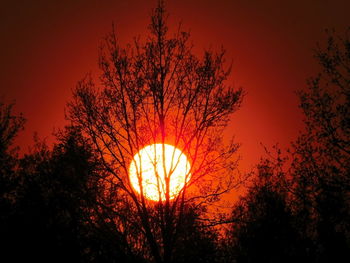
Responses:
[47,46]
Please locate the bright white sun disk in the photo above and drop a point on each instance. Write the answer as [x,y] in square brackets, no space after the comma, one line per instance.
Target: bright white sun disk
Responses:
[151,166]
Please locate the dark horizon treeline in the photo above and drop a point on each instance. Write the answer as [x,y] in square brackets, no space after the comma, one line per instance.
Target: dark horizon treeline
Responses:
[57,206]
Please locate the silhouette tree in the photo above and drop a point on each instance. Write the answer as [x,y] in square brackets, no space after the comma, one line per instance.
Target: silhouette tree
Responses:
[10,125]
[298,205]
[158,91]
[196,242]
[321,154]
[263,226]
[53,215]
[315,203]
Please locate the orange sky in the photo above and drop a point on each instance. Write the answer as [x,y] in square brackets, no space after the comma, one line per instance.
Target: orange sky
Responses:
[47,46]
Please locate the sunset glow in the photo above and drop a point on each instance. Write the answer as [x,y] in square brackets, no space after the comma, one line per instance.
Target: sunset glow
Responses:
[151,166]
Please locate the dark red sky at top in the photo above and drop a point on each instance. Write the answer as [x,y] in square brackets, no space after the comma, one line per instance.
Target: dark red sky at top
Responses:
[47,46]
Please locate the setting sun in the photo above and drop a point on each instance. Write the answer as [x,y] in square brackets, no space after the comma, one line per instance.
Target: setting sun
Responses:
[151,166]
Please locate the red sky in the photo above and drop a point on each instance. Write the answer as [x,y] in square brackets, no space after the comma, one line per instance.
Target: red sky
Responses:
[47,46]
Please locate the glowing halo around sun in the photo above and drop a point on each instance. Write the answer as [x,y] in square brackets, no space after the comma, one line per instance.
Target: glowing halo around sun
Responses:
[149,162]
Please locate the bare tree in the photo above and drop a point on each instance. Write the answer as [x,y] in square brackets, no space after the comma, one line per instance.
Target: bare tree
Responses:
[157,91]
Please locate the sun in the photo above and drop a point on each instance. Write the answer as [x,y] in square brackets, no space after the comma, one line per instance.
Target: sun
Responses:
[152,165]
